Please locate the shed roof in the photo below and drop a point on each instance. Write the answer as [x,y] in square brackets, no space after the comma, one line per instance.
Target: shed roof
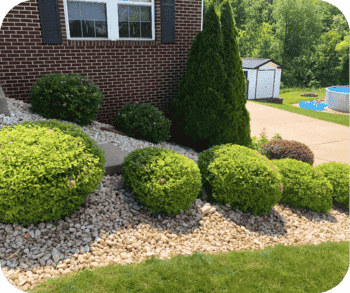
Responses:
[255,63]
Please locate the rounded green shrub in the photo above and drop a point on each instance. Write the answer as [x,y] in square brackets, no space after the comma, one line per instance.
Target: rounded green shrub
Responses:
[304,186]
[90,145]
[277,149]
[68,97]
[163,180]
[34,174]
[338,175]
[143,121]
[240,176]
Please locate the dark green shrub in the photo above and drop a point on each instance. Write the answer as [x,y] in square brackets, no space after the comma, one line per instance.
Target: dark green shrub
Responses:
[209,107]
[277,149]
[161,179]
[234,91]
[143,121]
[68,97]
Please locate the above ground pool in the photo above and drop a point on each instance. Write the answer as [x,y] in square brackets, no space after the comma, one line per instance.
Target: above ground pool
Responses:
[337,98]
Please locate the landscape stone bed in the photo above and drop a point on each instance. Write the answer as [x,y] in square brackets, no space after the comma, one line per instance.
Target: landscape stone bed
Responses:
[113,228]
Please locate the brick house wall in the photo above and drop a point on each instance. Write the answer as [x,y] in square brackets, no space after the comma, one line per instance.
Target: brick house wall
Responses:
[124,71]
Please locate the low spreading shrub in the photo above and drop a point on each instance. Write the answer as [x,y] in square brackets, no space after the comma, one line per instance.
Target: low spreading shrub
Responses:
[277,149]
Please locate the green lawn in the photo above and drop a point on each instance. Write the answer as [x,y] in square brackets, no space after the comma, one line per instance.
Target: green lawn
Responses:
[310,268]
[292,96]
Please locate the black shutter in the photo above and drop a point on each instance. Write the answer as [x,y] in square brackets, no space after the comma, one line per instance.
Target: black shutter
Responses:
[168,21]
[50,22]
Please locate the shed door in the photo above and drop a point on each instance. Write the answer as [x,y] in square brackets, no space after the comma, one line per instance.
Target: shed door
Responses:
[264,87]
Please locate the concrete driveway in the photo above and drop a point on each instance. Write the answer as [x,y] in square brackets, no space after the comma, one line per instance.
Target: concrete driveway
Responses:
[328,141]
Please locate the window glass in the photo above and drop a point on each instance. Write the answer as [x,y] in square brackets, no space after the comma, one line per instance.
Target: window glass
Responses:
[134,21]
[87,19]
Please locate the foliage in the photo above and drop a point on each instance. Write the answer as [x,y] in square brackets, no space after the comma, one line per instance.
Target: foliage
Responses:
[178,105]
[343,49]
[278,149]
[338,175]
[201,110]
[288,32]
[326,59]
[69,97]
[89,144]
[304,186]
[238,121]
[163,180]
[253,35]
[143,121]
[296,31]
[264,43]
[337,23]
[241,177]
[34,179]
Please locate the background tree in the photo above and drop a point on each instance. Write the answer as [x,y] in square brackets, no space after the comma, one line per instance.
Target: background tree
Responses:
[258,18]
[289,32]
[298,26]
[326,60]
[343,49]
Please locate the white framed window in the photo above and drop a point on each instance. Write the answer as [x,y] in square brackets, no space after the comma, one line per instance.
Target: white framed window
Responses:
[110,19]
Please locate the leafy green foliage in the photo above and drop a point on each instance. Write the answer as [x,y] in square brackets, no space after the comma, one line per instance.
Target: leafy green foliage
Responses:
[326,58]
[279,149]
[338,175]
[69,97]
[143,121]
[288,32]
[304,186]
[90,145]
[163,180]
[241,177]
[343,49]
[34,181]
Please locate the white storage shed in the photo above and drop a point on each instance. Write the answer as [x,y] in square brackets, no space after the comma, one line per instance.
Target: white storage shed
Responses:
[263,78]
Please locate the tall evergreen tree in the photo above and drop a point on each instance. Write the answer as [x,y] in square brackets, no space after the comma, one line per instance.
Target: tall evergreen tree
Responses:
[234,91]
[178,117]
[206,111]
[199,104]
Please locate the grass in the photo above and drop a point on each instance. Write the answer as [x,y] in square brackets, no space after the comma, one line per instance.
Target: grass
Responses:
[292,96]
[310,268]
